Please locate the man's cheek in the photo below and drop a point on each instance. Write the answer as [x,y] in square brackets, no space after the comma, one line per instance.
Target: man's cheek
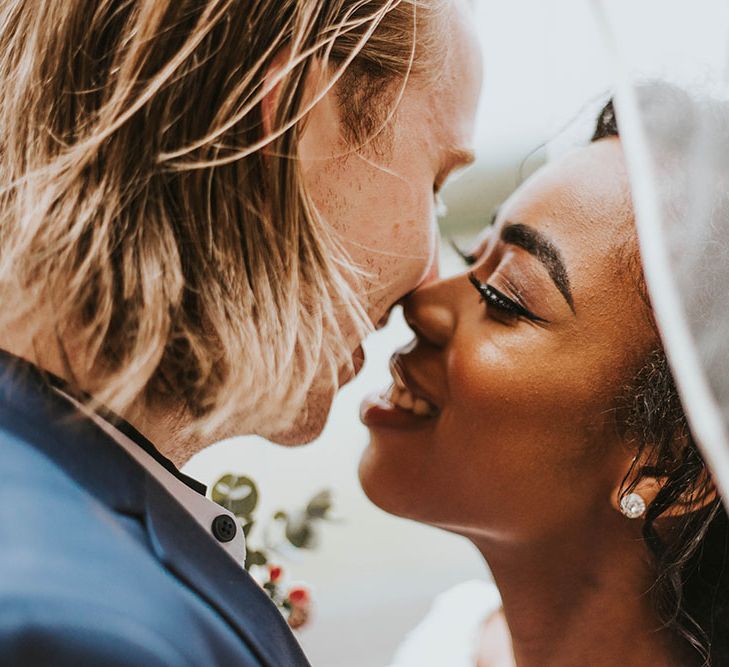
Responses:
[433,271]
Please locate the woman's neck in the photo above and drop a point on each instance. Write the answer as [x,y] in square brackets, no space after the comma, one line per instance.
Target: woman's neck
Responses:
[580,600]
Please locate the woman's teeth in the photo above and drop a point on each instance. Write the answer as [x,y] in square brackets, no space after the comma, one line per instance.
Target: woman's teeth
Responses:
[404,399]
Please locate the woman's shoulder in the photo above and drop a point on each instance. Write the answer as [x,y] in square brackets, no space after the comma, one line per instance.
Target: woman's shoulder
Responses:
[448,635]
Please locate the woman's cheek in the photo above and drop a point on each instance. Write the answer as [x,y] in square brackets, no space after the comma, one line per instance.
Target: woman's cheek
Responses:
[478,372]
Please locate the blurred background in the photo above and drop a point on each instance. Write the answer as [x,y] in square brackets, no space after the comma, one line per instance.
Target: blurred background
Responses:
[546,72]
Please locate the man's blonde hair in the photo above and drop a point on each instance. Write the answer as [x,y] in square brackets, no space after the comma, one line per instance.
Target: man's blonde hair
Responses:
[144,205]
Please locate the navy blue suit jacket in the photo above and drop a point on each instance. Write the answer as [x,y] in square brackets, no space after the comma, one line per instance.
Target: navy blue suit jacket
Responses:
[99,564]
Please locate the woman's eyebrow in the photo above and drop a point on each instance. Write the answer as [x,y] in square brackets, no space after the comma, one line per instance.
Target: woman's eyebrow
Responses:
[535,243]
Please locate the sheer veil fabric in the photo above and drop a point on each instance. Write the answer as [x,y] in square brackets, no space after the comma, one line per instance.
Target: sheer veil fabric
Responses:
[675,133]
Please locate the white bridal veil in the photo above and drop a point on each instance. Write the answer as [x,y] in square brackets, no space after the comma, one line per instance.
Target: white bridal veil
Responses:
[676,138]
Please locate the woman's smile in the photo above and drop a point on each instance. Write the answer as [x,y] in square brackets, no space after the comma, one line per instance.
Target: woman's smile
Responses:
[406,403]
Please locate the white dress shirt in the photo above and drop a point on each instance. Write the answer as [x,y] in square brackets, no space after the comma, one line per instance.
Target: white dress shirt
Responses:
[226,532]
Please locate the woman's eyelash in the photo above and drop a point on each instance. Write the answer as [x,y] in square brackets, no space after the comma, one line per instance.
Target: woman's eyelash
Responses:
[495,299]
[469,259]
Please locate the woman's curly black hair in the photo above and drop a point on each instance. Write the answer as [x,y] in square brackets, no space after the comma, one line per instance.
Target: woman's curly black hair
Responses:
[691,550]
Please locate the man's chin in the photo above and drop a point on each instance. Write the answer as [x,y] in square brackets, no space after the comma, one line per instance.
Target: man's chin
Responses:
[298,434]
[307,425]
[293,438]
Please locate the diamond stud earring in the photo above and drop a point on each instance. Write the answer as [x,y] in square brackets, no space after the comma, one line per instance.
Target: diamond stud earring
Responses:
[632,505]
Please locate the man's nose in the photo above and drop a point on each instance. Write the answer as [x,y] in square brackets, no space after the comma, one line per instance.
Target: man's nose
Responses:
[429,313]
[433,272]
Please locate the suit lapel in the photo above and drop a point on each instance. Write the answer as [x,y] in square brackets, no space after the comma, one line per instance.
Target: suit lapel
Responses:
[31,410]
[194,558]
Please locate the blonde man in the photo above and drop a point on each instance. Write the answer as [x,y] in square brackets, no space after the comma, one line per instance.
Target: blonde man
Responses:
[204,204]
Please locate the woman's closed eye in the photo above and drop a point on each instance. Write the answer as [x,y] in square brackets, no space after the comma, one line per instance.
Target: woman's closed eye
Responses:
[494,299]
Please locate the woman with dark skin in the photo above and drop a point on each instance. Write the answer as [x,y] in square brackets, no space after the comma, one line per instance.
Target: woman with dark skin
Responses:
[534,398]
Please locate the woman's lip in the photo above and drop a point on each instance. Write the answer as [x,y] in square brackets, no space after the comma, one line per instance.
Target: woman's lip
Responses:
[377,412]
[399,371]
[380,410]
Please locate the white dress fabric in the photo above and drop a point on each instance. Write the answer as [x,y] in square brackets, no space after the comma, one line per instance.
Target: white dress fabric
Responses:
[448,635]
[675,132]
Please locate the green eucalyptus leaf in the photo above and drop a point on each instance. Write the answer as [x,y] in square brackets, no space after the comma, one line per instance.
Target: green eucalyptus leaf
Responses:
[300,532]
[255,558]
[247,527]
[320,505]
[239,494]
[221,488]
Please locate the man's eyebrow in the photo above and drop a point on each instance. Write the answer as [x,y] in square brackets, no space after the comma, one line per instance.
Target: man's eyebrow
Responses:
[535,243]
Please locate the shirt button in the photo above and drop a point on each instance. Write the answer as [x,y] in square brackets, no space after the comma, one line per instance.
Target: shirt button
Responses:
[224,528]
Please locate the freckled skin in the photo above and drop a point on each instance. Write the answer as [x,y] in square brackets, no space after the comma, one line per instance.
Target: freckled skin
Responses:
[524,458]
[380,203]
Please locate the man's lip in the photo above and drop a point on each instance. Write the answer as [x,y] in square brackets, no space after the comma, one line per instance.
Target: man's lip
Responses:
[358,359]
[384,319]
[399,370]
[348,373]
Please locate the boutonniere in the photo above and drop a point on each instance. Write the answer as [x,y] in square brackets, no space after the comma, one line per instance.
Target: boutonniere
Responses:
[283,532]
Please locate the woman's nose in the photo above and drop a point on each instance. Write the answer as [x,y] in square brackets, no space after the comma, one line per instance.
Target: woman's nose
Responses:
[430,314]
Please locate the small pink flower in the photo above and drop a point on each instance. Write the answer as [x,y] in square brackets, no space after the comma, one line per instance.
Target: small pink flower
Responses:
[299,597]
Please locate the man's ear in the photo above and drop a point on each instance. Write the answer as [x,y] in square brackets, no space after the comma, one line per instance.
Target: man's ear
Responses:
[323,114]
[271,84]
[647,487]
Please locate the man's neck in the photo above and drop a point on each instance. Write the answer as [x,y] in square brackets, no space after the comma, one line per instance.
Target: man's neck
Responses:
[167,432]
[581,600]
[164,428]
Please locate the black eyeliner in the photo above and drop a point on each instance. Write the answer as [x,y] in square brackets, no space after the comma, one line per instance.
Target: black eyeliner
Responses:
[491,295]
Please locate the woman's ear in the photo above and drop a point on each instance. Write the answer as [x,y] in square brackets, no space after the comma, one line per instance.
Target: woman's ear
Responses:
[647,487]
